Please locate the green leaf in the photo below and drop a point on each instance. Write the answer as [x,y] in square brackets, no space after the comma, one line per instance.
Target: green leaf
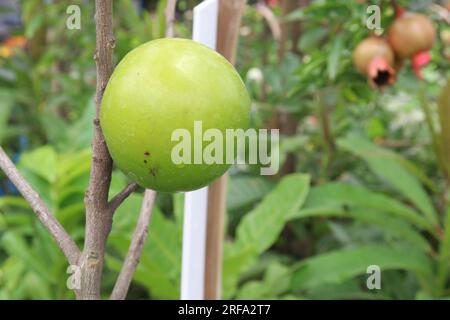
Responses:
[36,287]
[342,265]
[11,275]
[15,245]
[79,135]
[73,167]
[34,25]
[276,281]
[158,283]
[349,290]
[334,56]
[342,196]
[444,253]
[261,227]
[311,38]
[161,19]
[6,103]
[387,166]
[390,225]
[160,266]
[295,15]
[164,245]
[243,191]
[375,128]
[178,209]
[12,201]
[235,261]
[41,161]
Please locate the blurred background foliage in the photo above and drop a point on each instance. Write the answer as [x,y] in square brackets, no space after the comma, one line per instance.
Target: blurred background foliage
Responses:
[362,182]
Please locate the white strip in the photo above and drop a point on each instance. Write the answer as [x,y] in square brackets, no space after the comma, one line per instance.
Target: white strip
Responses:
[195,202]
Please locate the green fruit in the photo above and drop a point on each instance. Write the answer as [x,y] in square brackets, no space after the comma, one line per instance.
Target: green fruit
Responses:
[162,86]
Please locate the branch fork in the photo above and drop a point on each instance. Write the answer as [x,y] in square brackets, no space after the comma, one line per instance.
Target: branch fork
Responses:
[99,211]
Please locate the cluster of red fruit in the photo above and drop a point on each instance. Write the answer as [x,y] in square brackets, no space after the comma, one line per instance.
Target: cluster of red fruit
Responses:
[410,36]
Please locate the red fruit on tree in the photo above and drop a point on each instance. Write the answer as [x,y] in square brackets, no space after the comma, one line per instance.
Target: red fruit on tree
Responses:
[411,33]
[411,36]
[375,58]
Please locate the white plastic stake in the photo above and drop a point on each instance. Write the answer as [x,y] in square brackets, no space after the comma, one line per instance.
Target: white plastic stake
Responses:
[196,202]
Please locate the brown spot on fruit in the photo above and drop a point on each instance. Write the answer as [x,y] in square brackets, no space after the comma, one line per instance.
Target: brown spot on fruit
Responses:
[153,172]
[147,154]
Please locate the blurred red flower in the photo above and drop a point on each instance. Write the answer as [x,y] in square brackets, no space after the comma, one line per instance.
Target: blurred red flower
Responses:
[8,46]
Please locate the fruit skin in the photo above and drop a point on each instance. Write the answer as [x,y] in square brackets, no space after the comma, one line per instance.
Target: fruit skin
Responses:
[370,48]
[411,33]
[373,56]
[161,86]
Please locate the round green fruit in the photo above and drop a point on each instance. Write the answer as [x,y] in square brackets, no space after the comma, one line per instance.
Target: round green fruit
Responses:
[162,86]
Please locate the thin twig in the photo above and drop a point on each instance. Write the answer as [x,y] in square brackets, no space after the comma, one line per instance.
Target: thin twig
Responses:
[271,19]
[137,244]
[98,215]
[140,233]
[65,242]
[170,17]
[115,202]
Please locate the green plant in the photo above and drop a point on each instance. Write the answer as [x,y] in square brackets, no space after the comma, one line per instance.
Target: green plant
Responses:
[376,190]
[408,234]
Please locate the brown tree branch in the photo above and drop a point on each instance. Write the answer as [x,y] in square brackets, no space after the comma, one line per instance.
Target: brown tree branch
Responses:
[98,215]
[115,202]
[65,242]
[137,244]
[170,17]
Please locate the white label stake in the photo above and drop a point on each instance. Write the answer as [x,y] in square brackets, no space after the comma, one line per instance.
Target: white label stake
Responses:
[196,202]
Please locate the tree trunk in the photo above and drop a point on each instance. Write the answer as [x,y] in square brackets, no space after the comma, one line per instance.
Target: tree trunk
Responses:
[98,214]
